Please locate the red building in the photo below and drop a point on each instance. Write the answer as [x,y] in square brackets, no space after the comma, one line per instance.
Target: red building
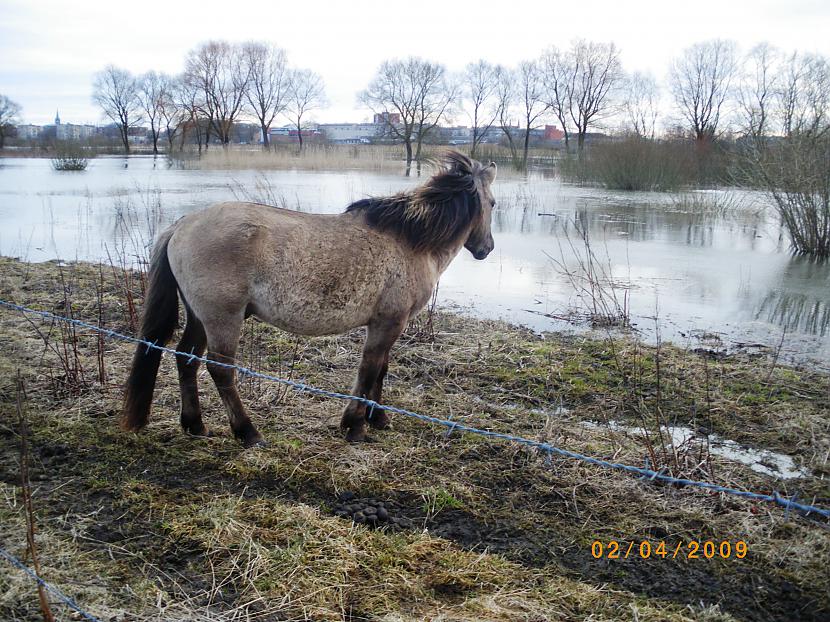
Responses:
[553,133]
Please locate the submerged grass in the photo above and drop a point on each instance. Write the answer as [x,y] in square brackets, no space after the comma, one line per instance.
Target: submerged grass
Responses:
[163,526]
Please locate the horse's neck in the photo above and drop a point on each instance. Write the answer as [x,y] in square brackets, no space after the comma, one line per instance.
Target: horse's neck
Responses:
[443,257]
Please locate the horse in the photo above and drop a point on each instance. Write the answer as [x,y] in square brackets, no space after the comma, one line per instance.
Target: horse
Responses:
[375,265]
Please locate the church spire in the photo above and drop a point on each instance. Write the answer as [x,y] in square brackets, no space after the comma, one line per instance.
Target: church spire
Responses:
[57,117]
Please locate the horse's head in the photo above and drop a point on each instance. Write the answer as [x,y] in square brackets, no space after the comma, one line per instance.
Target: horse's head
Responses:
[480,241]
[454,206]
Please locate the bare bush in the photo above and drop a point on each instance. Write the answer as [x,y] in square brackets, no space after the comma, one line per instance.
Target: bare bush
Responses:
[795,168]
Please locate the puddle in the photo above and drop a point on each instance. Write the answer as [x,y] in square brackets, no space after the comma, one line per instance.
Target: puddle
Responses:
[764,461]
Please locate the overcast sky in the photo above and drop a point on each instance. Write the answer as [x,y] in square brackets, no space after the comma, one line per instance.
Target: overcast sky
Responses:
[50,49]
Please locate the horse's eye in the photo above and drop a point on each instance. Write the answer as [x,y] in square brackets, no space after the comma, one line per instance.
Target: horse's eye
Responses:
[494,203]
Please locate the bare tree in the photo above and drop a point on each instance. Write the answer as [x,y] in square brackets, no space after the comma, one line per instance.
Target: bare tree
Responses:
[757,90]
[307,92]
[532,101]
[268,87]
[415,91]
[506,101]
[116,92]
[700,82]
[803,95]
[174,114]
[150,92]
[9,118]
[596,72]
[393,94]
[437,95]
[190,98]
[640,103]
[558,77]
[218,68]
[480,90]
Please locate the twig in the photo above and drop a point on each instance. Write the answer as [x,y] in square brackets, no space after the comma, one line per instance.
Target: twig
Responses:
[27,497]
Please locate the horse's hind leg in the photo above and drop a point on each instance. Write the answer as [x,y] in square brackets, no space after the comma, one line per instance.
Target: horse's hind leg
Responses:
[378,418]
[193,341]
[222,344]
[379,339]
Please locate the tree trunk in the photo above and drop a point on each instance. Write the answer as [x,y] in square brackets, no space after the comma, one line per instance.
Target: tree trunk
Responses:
[300,135]
[125,138]
[418,157]
[475,142]
[266,142]
[408,144]
[526,146]
[511,145]
[155,134]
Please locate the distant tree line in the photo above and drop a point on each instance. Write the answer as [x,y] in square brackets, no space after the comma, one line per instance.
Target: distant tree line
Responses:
[710,89]
[221,83]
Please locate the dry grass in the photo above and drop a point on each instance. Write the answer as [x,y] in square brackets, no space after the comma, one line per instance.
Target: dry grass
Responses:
[388,159]
[378,158]
[162,526]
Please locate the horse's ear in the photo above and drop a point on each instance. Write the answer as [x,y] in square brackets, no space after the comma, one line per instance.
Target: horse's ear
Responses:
[489,173]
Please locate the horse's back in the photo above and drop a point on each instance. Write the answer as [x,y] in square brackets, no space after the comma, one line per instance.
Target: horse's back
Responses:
[306,273]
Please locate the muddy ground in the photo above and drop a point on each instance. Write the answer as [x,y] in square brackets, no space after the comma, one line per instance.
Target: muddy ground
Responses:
[161,525]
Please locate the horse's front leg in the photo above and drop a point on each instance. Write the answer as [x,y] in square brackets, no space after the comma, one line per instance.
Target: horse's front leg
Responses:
[379,339]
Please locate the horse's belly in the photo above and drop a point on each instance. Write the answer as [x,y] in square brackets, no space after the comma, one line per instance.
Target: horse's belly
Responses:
[305,313]
[312,323]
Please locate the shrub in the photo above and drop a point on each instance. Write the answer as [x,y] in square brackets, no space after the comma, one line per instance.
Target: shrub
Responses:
[635,163]
[795,171]
[70,157]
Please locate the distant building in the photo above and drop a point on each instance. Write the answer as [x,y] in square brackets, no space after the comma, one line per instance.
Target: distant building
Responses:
[70,131]
[28,132]
[382,118]
[352,133]
[553,133]
[289,134]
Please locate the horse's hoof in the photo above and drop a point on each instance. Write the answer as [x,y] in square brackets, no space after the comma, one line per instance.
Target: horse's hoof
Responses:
[203,432]
[380,420]
[356,435]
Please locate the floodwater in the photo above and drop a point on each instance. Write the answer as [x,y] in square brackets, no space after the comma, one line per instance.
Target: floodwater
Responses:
[764,461]
[707,269]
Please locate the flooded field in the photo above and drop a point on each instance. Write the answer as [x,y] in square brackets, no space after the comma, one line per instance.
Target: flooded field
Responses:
[710,269]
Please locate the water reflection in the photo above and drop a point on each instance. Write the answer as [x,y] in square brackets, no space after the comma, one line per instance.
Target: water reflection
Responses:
[798,305]
[697,265]
[794,312]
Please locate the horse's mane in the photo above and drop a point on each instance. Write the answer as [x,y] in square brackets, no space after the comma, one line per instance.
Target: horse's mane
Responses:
[434,214]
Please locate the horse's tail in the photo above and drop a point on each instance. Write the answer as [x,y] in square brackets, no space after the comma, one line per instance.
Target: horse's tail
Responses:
[158,321]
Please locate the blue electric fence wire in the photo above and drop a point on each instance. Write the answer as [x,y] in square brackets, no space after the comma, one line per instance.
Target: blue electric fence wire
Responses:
[451,425]
[49,587]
